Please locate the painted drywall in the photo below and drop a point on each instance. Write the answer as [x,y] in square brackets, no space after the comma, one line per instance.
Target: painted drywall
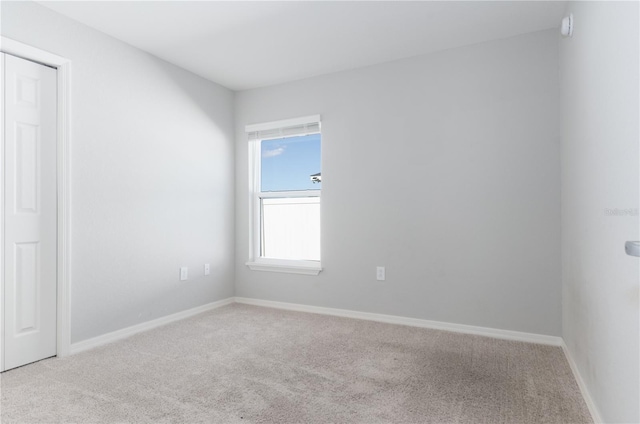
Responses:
[152,159]
[444,168]
[600,184]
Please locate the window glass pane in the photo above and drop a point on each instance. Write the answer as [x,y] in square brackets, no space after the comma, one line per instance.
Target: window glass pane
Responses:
[289,164]
[291,228]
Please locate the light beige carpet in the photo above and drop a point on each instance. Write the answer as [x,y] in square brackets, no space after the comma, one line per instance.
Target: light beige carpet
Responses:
[246,364]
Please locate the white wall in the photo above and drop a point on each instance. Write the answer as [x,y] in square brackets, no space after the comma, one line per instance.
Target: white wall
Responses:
[152,176]
[599,98]
[445,169]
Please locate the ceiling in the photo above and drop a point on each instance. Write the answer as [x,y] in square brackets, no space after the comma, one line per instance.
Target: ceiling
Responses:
[246,44]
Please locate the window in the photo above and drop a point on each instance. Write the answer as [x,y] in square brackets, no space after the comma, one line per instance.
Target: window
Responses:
[286,181]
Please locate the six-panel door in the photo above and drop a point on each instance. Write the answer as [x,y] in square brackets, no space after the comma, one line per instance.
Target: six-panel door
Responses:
[29,300]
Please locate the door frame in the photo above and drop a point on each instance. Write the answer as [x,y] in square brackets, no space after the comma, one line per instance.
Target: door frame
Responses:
[63,195]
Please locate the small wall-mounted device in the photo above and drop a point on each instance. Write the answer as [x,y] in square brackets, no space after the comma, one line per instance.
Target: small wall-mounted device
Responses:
[632,248]
[566,28]
[184,273]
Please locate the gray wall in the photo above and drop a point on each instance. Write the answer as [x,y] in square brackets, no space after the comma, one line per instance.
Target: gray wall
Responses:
[601,319]
[444,168]
[152,177]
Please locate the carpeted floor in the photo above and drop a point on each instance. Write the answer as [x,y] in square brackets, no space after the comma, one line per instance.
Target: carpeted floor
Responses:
[244,364]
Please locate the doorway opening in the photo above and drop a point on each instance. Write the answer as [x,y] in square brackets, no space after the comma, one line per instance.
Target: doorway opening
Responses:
[31,261]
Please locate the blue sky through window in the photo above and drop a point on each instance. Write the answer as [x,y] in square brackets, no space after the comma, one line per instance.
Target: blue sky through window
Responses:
[287,163]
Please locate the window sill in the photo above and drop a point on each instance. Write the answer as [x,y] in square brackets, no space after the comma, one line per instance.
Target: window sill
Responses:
[285,268]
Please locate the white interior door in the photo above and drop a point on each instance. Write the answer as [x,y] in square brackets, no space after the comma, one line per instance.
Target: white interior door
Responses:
[29,301]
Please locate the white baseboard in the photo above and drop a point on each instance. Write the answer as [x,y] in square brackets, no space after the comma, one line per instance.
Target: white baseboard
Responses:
[130,331]
[413,322]
[593,409]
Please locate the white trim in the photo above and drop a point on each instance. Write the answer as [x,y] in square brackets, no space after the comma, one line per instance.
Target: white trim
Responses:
[413,322]
[254,200]
[293,194]
[593,409]
[2,214]
[63,66]
[64,209]
[289,268]
[145,326]
[34,54]
[284,123]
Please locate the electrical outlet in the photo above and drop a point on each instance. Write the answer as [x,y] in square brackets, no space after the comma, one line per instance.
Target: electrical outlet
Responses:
[207,269]
[380,273]
[184,273]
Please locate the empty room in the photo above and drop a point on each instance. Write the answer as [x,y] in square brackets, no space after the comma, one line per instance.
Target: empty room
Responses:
[320,212]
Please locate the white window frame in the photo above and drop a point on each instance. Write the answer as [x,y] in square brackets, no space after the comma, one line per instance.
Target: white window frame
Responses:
[256,261]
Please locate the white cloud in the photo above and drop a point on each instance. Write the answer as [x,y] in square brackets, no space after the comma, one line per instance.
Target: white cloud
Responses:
[273,152]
